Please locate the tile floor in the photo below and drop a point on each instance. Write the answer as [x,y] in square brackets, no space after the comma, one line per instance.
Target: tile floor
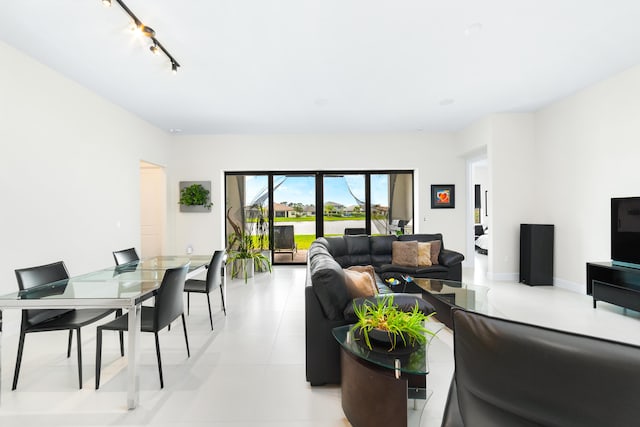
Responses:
[250,370]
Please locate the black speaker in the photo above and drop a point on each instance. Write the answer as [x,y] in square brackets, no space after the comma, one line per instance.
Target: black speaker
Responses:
[536,254]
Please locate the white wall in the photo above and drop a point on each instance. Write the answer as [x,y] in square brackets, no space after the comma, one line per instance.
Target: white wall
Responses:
[69,171]
[508,140]
[512,171]
[587,150]
[434,157]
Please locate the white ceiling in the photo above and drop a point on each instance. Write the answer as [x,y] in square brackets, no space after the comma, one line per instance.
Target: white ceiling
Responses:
[300,66]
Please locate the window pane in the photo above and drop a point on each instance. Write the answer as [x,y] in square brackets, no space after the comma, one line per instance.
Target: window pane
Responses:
[344,202]
[392,203]
[294,217]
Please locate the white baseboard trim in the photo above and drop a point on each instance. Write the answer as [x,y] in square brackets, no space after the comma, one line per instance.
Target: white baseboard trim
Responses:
[504,277]
[570,286]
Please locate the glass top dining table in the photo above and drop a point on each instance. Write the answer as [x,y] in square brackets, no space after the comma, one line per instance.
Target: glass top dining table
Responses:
[125,286]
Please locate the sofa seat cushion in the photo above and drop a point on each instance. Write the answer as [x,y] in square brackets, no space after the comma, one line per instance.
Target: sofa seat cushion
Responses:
[405,302]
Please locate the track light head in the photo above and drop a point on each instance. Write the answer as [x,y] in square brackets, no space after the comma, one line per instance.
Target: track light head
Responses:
[138,27]
[145,31]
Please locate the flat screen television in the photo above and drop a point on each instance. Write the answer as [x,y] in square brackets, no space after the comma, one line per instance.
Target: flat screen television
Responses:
[625,231]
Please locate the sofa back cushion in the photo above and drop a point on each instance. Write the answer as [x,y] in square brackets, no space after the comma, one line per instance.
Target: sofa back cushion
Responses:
[358,250]
[338,250]
[380,248]
[327,280]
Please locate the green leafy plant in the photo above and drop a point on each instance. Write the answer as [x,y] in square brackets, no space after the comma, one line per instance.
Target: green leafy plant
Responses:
[195,195]
[241,246]
[384,316]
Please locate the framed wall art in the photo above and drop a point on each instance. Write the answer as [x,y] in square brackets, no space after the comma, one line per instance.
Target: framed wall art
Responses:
[443,196]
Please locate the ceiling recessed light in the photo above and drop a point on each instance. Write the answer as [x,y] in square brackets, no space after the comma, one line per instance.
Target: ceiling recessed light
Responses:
[446,101]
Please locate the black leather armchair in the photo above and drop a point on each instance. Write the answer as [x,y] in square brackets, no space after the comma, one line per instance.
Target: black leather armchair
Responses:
[514,374]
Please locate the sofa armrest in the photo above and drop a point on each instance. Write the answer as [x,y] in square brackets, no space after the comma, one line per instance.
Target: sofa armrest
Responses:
[448,257]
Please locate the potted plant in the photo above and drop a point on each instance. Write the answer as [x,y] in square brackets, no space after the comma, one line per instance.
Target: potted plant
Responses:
[195,195]
[242,254]
[259,219]
[383,321]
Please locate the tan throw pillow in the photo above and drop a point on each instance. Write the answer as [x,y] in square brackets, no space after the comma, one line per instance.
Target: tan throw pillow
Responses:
[405,253]
[435,251]
[359,284]
[366,269]
[424,254]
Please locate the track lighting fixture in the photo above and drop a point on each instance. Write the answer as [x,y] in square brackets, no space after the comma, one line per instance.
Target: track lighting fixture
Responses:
[147,31]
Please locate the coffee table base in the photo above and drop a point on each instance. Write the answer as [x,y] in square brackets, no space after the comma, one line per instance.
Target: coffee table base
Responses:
[373,397]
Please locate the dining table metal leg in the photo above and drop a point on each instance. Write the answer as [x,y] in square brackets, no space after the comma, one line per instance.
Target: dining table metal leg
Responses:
[133,377]
[0,355]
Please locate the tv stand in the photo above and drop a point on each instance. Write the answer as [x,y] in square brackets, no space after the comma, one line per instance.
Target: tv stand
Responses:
[614,284]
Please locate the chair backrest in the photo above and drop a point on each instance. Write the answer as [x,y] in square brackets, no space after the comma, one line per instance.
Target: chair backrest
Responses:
[125,256]
[509,373]
[35,276]
[214,273]
[169,298]
[354,231]
[283,237]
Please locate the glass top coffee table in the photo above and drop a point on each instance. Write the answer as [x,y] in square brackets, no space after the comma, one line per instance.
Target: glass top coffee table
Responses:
[445,295]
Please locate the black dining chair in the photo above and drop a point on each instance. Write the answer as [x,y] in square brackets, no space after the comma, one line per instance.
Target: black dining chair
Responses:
[45,320]
[125,256]
[168,306]
[214,280]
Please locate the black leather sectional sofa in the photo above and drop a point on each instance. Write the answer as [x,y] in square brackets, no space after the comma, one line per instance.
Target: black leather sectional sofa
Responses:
[328,303]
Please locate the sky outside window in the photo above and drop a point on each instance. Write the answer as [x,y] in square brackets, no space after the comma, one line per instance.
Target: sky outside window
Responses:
[301,189]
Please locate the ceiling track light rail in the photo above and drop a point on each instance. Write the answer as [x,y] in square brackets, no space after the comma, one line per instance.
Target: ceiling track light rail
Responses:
[147,31]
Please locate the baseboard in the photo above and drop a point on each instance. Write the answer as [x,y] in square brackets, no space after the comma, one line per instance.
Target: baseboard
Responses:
[515,277]
[570,286]
[504,277]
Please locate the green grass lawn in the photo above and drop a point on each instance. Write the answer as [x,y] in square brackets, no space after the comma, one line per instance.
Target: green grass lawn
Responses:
[325,218]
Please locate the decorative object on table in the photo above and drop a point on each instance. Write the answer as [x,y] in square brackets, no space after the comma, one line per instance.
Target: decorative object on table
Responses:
[443,196]
[242,253]
[383,322]
[195,196]
[392,281]
[407,279]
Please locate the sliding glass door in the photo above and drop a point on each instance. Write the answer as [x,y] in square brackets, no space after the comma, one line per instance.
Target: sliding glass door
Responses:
[284,212]
[391,203]
[247,207]
[344,204]
[294,217]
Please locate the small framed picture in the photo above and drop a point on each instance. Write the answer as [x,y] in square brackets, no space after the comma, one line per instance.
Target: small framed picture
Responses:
[443,196]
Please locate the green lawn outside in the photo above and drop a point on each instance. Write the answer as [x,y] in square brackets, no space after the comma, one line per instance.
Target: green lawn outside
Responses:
[325,218]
